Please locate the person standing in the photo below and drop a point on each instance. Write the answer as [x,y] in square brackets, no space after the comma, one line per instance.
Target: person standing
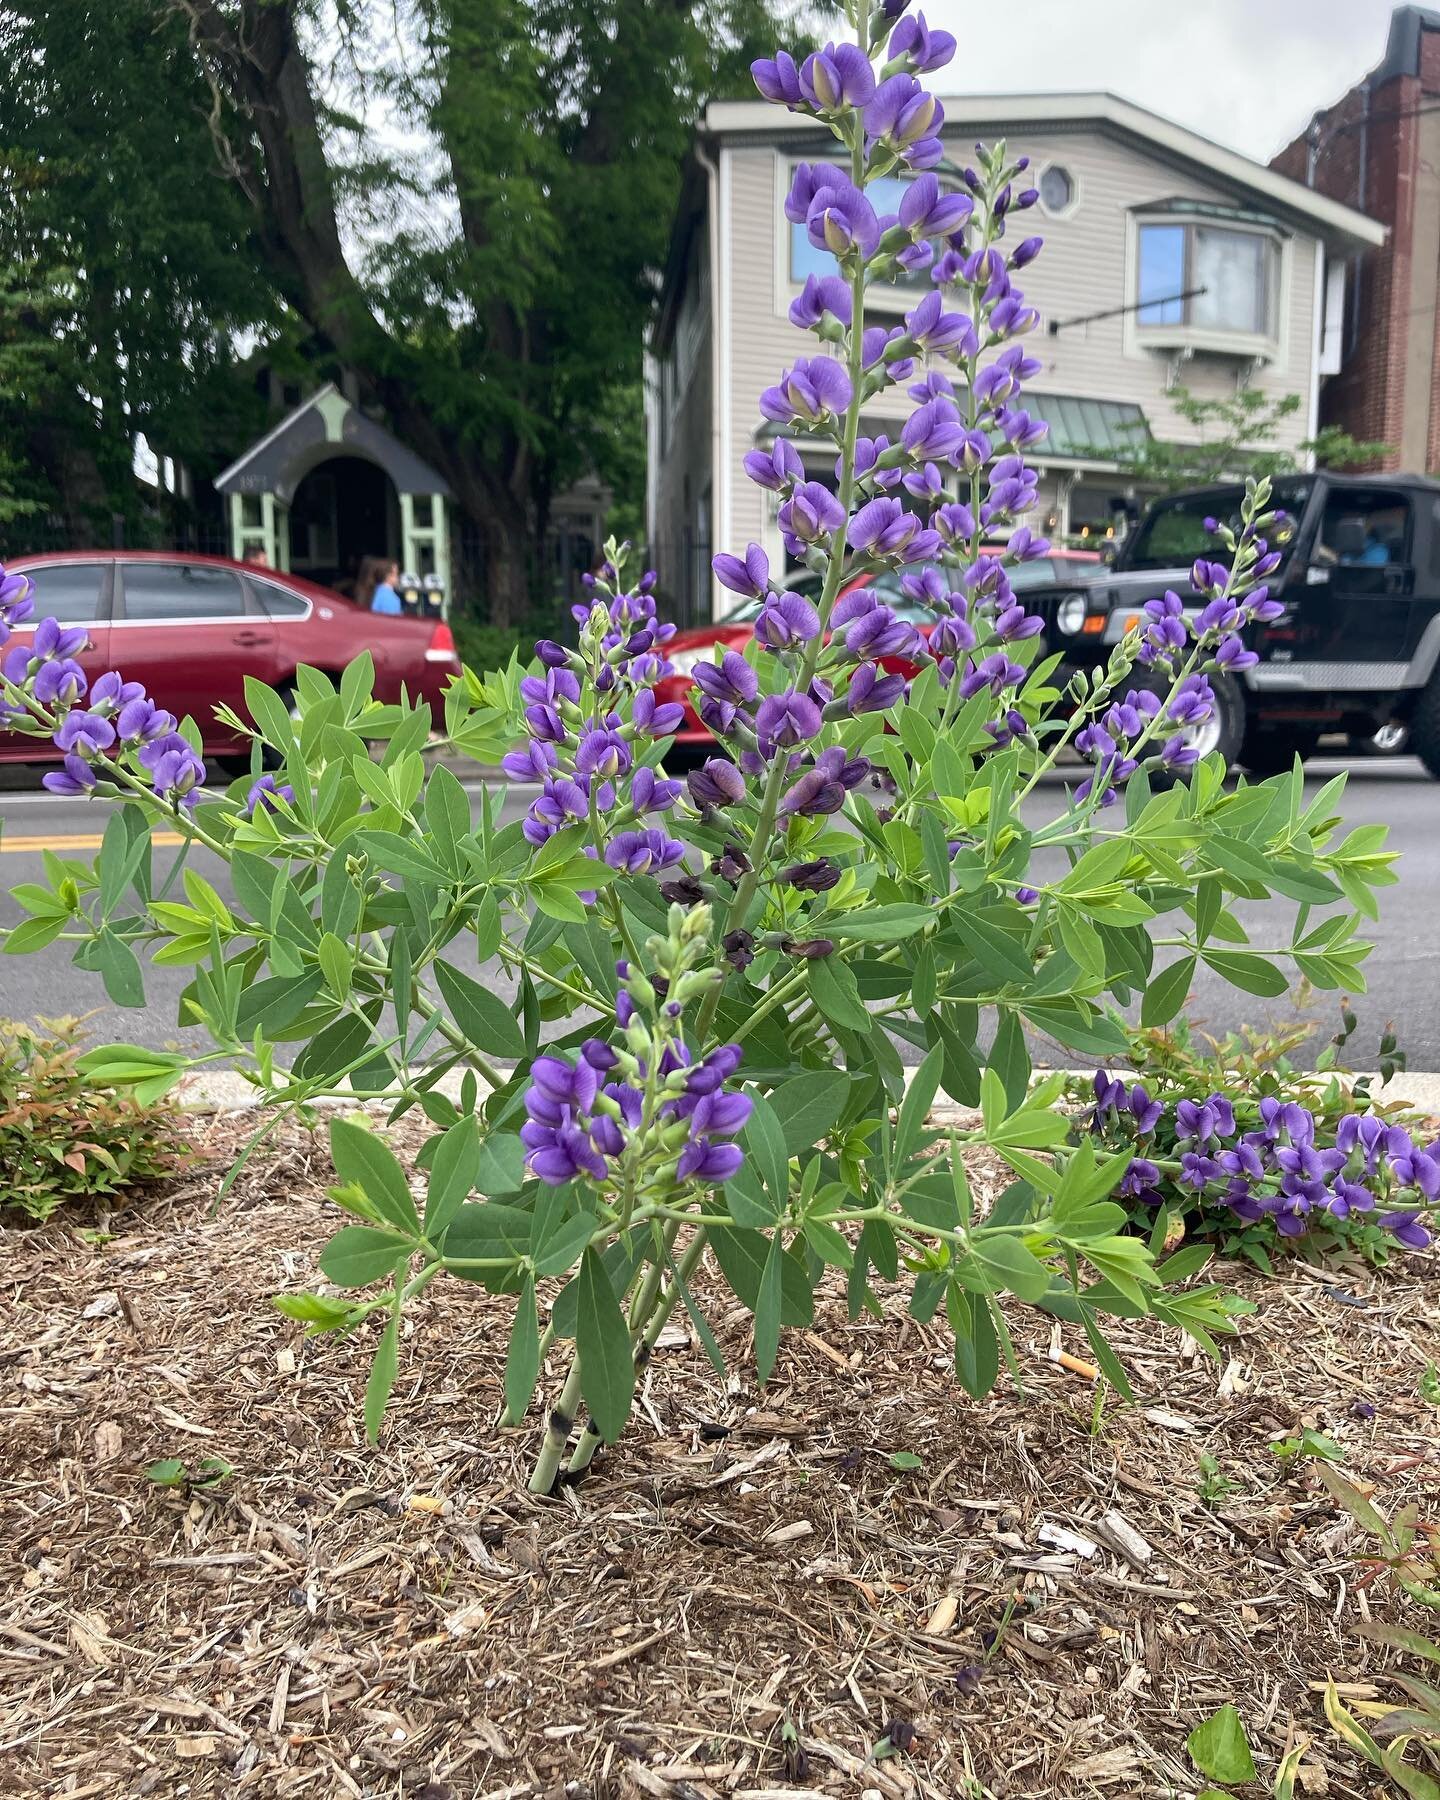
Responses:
[386,598]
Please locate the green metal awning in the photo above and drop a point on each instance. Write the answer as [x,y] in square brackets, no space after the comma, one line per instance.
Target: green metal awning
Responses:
[1085,430]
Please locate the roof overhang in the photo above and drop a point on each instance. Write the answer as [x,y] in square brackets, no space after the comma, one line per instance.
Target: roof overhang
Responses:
[323,426]
[1342,227]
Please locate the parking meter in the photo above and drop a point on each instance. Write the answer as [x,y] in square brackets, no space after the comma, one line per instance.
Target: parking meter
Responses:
[410,592]
[433,596]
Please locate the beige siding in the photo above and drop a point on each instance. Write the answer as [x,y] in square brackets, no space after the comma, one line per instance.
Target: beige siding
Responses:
[1083,269]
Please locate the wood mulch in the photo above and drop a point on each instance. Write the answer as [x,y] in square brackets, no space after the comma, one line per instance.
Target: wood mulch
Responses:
[747,1598]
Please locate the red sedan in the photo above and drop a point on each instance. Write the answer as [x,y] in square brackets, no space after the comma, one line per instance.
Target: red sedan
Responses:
[697,645]
[191,628]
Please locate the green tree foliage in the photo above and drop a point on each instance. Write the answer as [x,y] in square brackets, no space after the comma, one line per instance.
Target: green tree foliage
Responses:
[513,167]
[128,273]
[1235,437]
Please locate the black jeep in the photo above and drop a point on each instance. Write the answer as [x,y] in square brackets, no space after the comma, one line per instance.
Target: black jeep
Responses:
[1358,646]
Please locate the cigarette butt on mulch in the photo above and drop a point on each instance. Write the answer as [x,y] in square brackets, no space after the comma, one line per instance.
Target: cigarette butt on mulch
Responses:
[1076,1365]
[943,1617]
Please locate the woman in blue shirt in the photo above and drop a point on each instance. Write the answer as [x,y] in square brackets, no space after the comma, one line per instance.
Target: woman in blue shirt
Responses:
[385,598]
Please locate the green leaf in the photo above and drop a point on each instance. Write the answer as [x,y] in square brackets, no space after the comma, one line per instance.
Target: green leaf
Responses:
[488,1230]
[977,1349]
[318,1311]
[1008,1266]
[382,1376]
[482,1015]
[272,1005]
[749,1200]
[406,857]
[169,1474]
[360,1254]
[563,1245]
[1252,973]
[360,1156]
[501,1168]
[1000,954]
[808,1105]
[119,969]
[1009,1058]
[1166,993]
[607,1362]
[915,1107]
[1219,1747]
[452,1175]
[833,989]
[337,964]
[876,924]
[1109,1363]
[905,1460]
[522,1359]
[767,1310]
[447,814]
[742,1255]
[765,1142]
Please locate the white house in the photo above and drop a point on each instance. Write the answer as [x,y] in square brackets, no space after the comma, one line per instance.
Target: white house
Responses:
[1168,260]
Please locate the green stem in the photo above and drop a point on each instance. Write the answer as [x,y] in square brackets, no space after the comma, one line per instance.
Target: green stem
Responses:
[557,1431]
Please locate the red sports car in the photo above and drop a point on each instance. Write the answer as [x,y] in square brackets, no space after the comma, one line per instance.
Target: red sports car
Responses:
[687,648]
[191,628]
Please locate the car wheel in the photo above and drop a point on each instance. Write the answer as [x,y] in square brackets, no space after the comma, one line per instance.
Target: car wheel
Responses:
[1272,749]
[1425,726]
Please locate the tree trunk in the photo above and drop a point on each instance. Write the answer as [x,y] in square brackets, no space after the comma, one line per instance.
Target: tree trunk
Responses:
[508,594]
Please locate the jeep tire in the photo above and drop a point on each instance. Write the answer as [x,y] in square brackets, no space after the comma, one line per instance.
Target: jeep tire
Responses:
[1425,726]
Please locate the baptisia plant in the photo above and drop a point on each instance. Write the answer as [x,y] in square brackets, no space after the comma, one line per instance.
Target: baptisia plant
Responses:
[697,994]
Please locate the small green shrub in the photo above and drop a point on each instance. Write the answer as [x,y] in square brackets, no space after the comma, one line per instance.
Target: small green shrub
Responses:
[483,646]
[65,1137]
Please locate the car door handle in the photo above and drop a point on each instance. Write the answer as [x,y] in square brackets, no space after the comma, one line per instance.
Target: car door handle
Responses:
[248,638]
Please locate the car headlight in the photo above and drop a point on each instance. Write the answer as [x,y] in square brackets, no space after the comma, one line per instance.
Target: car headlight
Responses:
[1070,614]
[684,661]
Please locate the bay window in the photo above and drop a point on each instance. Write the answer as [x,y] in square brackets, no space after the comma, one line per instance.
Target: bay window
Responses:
[1206,277]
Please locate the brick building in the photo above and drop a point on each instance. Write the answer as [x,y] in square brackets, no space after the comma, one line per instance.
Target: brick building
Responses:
[1378,150]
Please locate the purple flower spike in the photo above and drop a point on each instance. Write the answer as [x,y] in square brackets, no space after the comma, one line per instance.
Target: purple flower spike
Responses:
[775,469]
[870,691]
[731,681]
[926,49]
[822,789]
[86,733]
[265,793]
[839,75]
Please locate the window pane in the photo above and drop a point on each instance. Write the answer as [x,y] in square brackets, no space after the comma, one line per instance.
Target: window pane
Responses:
[1231,267]
[1162,274]
[1364,529]
[280,604]
[805,259]
[181,591]
[1056,188]
[69,592]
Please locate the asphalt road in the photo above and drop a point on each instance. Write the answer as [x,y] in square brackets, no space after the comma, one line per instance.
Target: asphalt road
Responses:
[1402,972]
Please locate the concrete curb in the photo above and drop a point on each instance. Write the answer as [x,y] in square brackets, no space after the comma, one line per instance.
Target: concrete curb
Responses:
[227,1091]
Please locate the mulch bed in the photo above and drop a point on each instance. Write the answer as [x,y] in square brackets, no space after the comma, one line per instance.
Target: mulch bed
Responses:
[407,1621]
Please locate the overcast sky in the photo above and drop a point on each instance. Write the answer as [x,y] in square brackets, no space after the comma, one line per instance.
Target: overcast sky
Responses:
[1247,73]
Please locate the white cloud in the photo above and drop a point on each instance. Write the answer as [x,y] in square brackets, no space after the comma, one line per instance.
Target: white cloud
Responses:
[1247,73]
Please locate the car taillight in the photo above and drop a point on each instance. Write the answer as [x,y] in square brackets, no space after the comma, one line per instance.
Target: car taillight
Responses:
[442,645]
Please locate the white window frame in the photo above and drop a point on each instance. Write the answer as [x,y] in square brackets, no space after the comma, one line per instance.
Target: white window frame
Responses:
[1266,346]
[1070,172]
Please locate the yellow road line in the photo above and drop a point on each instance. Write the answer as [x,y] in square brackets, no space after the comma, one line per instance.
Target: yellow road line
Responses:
[32,846]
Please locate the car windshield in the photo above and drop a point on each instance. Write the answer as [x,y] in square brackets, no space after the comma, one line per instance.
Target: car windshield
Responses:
[1173,532]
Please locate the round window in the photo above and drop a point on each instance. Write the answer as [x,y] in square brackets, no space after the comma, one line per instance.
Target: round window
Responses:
[1057,188]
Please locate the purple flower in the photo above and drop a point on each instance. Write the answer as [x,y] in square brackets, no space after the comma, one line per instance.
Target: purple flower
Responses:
[777,468]
[53,643]
[786,621]
[603,754]
[650,792]
[879,632]
[778,79]
[111,694]
[532,763]
[933,431]
[1406,1228]
[731,681]
[810,514]
[86,733]
[264,794]
[813,391]
[841,218]
[805,183]
[1192,702]
[785,720]
[716,783]
[839,75]
[821,790]
[75,777]
[654,718]
[175,769]
[563,800]
[901,114]
[955,523]
[870,691]
[934,330]
[926,49]
[821,294]
[1141,1181]
[812,877]
[882,527]
[638,852]
[996,672]
[925,212]
[750,577]
[61,682]
[1232,656]
[702,1160]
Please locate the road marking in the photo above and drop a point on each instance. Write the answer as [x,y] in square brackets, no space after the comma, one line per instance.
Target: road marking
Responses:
[32,846]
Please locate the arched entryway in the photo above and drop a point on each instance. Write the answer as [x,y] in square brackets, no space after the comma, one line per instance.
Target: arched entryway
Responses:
[345,508]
